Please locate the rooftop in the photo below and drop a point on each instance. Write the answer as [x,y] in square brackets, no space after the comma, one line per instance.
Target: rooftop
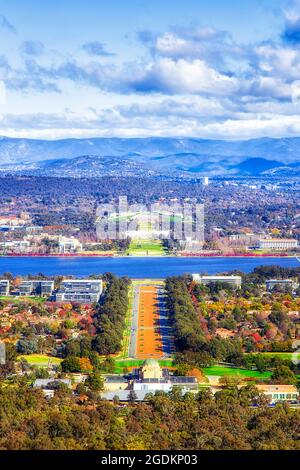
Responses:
[277,388]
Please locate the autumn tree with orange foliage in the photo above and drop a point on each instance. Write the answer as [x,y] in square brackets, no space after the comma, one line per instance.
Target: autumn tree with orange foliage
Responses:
[195,372]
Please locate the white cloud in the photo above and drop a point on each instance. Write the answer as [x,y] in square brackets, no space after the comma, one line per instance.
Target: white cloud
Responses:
[183,76]
[169,44]
[2,93]
[279,61]
[193,81]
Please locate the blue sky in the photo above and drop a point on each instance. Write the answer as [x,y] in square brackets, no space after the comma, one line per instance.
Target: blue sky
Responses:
[202,68]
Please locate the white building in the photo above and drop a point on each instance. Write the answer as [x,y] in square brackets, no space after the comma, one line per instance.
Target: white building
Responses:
[271,283]
[277,393]
[150,378]
[69,245]
[15,246]
[36,287]
[235,281]
[48,386]
[12,221]
[80,290]
[277,244]
[4,287]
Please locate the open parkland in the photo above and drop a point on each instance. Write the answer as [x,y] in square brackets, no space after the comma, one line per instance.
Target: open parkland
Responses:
[148,334]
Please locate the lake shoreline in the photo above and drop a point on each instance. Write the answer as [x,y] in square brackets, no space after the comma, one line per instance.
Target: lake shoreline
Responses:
[144,255]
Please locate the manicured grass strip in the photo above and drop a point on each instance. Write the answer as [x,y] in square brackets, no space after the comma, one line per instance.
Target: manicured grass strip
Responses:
[40,359]
[138,246]
[19,299]
[228,371]
[288,356]
[129,363]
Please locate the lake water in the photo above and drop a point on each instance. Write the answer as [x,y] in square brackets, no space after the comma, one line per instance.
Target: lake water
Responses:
[151,268]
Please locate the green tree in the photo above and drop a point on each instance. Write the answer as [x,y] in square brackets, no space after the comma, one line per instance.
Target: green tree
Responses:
[284,375]
[95,382]
[71,364]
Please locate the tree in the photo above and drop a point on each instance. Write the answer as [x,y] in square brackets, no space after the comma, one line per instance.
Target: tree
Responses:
[231,380]
[71,364]
[198,374]
[116,400]
[108,365]
[132,397]
[284,375]
[95,382]
[27,346]
[85,364]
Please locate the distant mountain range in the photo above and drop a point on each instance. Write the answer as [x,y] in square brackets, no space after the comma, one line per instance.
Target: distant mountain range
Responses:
[185,157]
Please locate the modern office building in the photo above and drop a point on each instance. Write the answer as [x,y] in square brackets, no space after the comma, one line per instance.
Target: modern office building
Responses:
[235,281]
[277,244]
[36,287]
[80,290]
[4,287]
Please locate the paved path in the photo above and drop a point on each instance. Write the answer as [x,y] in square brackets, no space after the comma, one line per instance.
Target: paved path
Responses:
[164,327]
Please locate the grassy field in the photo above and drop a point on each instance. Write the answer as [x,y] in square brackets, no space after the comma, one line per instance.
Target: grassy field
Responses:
[122,363]
[214,370]
[18,299]
[100,252]
[146,247]
[223,371]
[40,360]
[281,355]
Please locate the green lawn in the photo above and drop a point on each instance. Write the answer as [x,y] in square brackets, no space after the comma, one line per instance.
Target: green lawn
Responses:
[223,371]
[281,355]
[40,360]
[18,299]
[214,370]
[143,246]
[122,363]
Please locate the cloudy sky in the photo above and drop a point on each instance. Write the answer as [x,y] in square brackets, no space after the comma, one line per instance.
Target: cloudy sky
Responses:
[201,68]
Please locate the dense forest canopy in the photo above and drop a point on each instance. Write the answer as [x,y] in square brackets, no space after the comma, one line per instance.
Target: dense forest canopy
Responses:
[166,421]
